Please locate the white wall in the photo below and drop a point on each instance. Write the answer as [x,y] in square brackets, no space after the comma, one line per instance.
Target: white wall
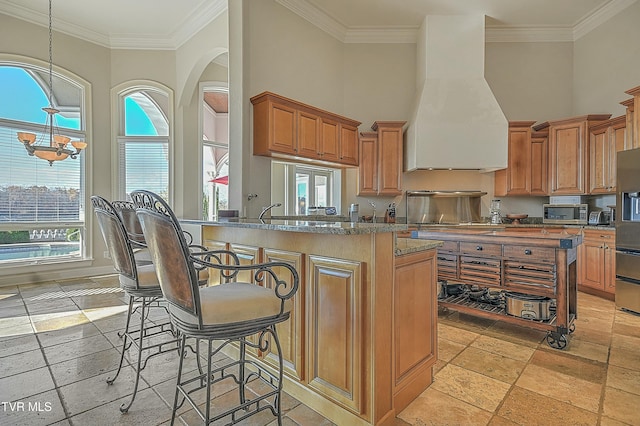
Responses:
[606,63]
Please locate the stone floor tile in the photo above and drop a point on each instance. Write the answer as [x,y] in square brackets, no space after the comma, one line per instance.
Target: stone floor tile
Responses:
[58,320]
[513,333]
[625,358]
[147,409]
[448,350]
[18,345]
[304,415]
[624,379]
[588,350]
[13,311]
[93,392]
[504,348]
[606,421]
[23,385]
[565,363]
[39,290]
[454,334]
[11,331]
[9,299]
[501,421]
[83,367]
[626,329]
[76,348]
[490,364]
[561,387]
[436,408]
[629,343]
[621,406]
[42,409]
[593,336]
[98,301]
[525,407]
[20,363]
[477,389]
[51,306]
[69,334]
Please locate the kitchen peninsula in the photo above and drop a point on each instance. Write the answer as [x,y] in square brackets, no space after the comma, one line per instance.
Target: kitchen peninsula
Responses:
[361,340]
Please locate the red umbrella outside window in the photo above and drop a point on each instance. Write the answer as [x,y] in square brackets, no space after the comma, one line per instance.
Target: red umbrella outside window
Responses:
[223,180]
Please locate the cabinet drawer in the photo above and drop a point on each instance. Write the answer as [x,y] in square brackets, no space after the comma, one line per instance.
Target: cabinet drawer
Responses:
[481,249]
[480,270]
[447,266]
[528,253]
[534,278]
[449,247]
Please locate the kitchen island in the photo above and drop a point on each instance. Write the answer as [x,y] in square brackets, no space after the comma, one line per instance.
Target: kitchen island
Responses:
[361,340]
[530,268]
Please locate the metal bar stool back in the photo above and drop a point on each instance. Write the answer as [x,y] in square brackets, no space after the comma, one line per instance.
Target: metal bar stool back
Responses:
[227,314]
[140,283]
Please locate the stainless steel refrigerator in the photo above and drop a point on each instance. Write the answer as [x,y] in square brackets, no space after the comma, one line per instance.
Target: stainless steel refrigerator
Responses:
[628,230]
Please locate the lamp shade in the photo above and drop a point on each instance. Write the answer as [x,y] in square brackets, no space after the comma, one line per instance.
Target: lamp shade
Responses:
[50,156]
[26,137]
[79,145]
[61,140]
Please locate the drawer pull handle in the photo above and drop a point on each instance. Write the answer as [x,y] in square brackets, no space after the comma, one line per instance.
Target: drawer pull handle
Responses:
[479,248]
[527,251]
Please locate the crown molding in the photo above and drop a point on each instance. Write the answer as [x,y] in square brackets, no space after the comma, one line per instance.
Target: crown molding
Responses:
[317,17]
[528,34]
[600,16]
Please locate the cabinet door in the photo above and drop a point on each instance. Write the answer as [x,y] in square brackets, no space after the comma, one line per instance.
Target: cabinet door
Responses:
[390,160]
[415,313]
[308,134]
[329,140]
[599,160]
[348,144]
[282,137]
[567,148]
[291,332]
[519,168]
[610,267]
[335,330]
[617,143]
[592,263]
[539,165]
[214,274]
[368,166]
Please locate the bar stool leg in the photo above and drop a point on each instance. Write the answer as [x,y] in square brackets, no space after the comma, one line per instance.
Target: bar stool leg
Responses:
[175,399]
[125,407]
[241,371]
[277,401]
[125,336]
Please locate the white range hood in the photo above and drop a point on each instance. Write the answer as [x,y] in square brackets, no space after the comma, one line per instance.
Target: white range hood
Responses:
[457,122]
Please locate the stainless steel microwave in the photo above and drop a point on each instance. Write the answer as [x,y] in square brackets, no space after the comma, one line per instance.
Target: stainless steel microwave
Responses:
[565,214]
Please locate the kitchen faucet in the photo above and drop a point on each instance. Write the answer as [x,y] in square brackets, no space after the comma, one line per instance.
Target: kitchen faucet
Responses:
[266,209]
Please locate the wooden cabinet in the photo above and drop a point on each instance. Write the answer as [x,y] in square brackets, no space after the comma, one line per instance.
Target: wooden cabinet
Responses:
[633,113]
[568,154]
[605,140]
[291,332]
[381,158]
[526,172]
[630,138]
[286,128]
[415,315]
[335,330]
[596,262]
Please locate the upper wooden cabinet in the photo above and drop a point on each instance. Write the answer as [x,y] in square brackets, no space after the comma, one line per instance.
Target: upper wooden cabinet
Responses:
[605,140]
[526,172]
[286,128]
[381,157]
[568,153]
[633,123]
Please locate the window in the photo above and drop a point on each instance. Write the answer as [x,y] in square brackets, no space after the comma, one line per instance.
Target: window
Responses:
[42,207]
[143,143]
[215,149]
[303,187]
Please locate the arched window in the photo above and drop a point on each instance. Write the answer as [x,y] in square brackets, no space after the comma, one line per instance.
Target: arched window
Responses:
[144,147]
[215,149]
[42,206]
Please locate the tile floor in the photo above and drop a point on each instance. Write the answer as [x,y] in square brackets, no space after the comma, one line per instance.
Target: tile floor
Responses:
[59,343]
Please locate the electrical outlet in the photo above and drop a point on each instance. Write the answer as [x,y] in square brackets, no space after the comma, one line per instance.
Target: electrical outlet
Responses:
[106,254]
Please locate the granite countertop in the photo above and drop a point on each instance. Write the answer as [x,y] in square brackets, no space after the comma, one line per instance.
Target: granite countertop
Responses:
[312,227]
[409,245]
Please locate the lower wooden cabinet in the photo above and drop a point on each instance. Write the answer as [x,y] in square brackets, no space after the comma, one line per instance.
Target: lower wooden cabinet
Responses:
[335,327]
[291,332]
[415,315]
[596,261]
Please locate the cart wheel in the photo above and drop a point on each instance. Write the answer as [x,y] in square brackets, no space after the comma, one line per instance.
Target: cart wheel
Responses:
[572,328]
[557,341]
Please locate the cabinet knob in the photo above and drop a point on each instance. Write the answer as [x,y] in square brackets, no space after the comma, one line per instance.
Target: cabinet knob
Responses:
[479,248]
[527,252]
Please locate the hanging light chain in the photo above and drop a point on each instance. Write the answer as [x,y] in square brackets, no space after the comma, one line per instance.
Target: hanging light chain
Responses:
[50,56]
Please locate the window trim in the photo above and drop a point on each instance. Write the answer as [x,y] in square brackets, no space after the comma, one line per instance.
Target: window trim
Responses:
[118,94]
[86,159]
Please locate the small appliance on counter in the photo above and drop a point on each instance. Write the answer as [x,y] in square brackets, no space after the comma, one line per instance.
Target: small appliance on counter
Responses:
[599,218]
[354,211]
[565,214]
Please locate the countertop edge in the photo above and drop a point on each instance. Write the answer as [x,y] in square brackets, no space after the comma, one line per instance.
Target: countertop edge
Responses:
[410,245]
[313,227]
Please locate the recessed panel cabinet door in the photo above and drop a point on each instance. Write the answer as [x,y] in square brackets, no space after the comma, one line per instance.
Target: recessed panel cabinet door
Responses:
[519,170]
[329,140]
[290,332]
[247,255]
[335,330]
[567,150]
[308,134]
[283,129]
[539,164]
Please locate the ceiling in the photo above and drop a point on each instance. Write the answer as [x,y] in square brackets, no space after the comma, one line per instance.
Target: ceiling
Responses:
[166,24]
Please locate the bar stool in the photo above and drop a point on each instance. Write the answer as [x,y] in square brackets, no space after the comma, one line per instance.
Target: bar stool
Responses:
[140,282]
[226,313]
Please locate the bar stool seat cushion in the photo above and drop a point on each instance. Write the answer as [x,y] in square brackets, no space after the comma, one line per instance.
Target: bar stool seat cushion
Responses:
[147,278]
[236,302]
